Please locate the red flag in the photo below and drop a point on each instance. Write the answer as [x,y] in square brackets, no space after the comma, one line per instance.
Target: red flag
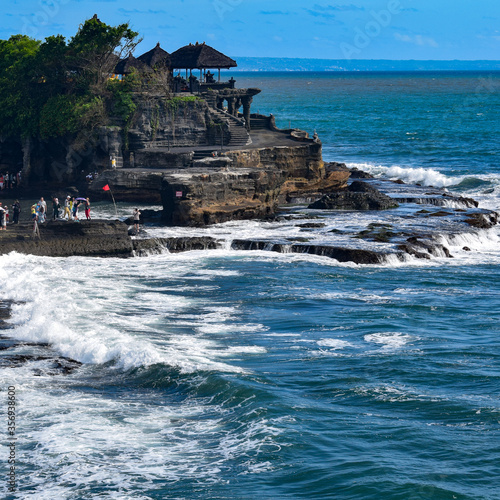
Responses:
[106,187]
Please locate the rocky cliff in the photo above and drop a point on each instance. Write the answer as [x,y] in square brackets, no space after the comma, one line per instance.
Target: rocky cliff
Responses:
[175,122]
[242,184]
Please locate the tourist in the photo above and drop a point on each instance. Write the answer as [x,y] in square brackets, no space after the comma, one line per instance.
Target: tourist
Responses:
[75,208]
[87,208]
[16,210]
[1,181]
[41,216]
[67,205]
[137,216]
[55,208]
[43,203]
[3,218]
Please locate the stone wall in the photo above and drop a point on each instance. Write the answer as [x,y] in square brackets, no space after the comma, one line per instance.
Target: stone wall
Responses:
[173,122]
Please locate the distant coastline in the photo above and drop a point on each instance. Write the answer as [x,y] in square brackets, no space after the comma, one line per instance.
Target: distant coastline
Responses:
[270,64]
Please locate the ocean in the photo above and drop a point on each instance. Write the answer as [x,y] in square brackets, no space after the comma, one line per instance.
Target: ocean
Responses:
[225,374]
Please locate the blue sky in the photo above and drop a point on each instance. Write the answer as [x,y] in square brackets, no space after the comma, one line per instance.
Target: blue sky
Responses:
[376,29]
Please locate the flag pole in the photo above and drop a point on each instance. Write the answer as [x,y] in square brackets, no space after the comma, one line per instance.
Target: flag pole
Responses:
[107,188]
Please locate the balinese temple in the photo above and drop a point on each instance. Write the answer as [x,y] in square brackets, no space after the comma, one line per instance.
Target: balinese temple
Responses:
[130,64]
[203,57]
[156,58]
[198,56]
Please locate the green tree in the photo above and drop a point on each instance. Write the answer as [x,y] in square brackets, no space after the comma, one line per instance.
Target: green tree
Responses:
[19,108]
[95,50]
[54,88]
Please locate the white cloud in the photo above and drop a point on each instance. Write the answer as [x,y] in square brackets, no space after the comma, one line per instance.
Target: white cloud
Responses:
[417,40]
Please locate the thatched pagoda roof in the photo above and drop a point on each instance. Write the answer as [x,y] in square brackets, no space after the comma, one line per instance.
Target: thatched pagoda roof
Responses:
[129,64]
[156,57]
[200,56]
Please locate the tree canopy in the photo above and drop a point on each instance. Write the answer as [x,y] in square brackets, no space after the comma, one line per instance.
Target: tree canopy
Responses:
[55,87]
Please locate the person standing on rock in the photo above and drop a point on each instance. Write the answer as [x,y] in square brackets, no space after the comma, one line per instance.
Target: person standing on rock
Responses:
[87,208]
[137,217]
[75,208]
[3,218]
[40,214]
[67,203]
[43,204]
[55,208]
[16,210]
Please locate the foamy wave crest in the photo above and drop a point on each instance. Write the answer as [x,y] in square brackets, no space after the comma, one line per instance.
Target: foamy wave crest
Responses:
[84,313]
[425,176]
[389,340]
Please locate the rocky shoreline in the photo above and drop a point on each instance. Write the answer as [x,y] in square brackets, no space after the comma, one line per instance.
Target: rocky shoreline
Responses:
[107,238]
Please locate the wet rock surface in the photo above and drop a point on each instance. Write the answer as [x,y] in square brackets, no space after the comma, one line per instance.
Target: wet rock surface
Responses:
[483,220]
[358,196]
[92,238]
[357,256]
[411,230]
[173,245]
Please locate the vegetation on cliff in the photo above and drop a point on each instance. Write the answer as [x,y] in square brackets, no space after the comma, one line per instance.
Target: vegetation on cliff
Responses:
[58,87]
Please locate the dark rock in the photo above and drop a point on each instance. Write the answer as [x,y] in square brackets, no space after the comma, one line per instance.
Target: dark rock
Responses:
[423,249]
[360,174]
[334,166]
[358,196]
[357,256]
[439,201]
[173,245]
[468,202]
[67,238]
[311,225]
[440,213]
[466,249]
[483,220]
[411,250]
[133,232]
[377,232]
[56,365]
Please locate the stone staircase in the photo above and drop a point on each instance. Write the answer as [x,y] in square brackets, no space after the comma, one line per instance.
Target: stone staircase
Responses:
[239,134]
[118,163]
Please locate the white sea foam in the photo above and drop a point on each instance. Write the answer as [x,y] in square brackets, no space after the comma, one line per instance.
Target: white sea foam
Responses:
[334,344]
[425,176]
[86,441]
[389,340]
[99,313]
[485,188]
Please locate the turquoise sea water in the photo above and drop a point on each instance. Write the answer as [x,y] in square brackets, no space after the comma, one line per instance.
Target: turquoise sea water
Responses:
[237,375]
